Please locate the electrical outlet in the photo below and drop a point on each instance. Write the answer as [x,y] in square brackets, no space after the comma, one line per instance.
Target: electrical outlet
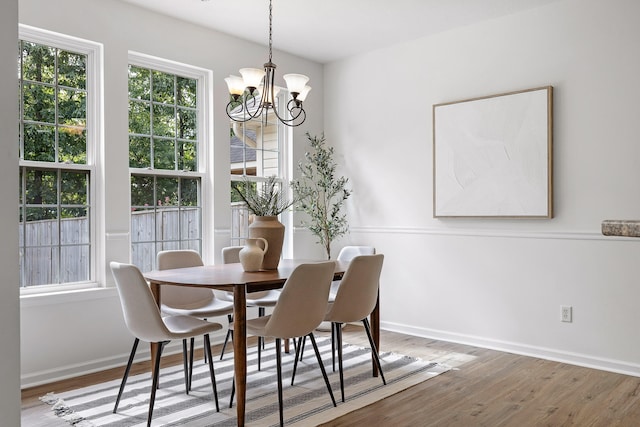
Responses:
[566,313]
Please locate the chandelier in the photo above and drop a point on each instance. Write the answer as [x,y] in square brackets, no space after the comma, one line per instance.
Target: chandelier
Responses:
[253,94]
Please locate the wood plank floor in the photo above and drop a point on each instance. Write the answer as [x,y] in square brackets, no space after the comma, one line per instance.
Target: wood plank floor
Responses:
[487,388]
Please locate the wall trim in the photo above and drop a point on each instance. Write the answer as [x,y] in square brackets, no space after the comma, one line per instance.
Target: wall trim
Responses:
[587,361]
[488,232]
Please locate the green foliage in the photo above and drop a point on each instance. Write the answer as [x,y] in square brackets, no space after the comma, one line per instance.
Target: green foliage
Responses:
[268,200]
[321,195]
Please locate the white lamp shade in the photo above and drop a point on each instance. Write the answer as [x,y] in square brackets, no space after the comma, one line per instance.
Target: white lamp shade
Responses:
[252,76]
[235,84]
[304,93]
[295,82]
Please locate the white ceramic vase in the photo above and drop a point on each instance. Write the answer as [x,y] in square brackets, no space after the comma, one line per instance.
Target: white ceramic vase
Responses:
[252,255]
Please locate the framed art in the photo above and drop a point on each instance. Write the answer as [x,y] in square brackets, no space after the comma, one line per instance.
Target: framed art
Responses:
[492,156]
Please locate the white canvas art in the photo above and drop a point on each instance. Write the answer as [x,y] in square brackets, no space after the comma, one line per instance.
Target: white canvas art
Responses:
[492,156]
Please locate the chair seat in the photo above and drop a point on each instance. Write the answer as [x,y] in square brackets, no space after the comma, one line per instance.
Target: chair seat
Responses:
[181,327]
[214,307]
[257,326]
[263,299]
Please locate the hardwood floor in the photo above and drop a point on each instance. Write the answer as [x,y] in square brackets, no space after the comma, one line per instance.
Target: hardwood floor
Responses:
[486,388]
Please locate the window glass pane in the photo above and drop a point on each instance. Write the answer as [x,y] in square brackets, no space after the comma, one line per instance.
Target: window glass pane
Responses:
[186,124]
[75,188]
[164,154]
[39,142]
[72,70]
[142,191]
[167,191]
[139,152]
[72,144]
[139,117]
[39,103]
[74,263]
[38,62]
[164,120]
[189,191]
[187,92]
[41,187]
[72,108]
[74,227]
[187,156]
[163,87]
[139,83]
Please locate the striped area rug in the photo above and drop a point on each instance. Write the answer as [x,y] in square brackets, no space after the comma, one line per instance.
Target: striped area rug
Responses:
[307,403]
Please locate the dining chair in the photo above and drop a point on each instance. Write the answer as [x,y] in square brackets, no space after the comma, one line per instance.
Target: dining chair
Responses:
[188,301]
[300,308]
[356,298]
[145,322]
[262,299]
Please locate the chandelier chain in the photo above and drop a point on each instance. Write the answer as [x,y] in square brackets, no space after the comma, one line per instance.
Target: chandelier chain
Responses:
[270,30]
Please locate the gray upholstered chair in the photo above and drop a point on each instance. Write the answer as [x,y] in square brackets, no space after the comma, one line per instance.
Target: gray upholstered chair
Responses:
[300,308]
[144,321]
[187,301]
[262,300]
[356,298]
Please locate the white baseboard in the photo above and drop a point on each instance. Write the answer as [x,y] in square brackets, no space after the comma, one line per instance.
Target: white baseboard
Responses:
[71,371]
[584,360]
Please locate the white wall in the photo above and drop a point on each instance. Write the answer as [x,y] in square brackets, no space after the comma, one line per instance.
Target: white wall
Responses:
[68,334]
[500,283]
[9,307]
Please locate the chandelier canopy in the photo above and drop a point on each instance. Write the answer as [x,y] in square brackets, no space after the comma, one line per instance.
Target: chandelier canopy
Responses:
[253,94]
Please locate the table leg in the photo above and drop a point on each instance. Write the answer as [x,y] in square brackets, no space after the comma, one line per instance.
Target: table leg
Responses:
[155,291]
[240,348]
[375,331]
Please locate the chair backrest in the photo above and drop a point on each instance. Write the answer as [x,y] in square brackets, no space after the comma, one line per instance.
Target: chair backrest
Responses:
[177,296]
[141,313]
[231,254]
[358,291]
[303,302]
[347,253]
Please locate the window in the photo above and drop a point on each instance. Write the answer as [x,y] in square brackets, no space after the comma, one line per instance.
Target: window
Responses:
[59,137]
[166,130]
[257,152]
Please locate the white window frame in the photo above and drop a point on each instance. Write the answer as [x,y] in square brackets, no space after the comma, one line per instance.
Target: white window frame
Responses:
[204,78]
[95,146]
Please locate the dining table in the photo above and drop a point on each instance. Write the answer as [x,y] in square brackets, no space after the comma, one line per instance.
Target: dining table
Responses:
[232,278]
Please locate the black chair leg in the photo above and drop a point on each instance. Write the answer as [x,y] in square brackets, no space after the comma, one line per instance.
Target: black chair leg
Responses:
[338,329]
[154,385]
[333,345]
[228,337]
[298,345]
[374,350]
[187,370]
[191,361]
[279,369]
[207,352]
[126,373]
[233,392]
[324,373]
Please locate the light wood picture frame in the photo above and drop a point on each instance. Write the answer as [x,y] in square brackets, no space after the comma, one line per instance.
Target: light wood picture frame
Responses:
[492,156]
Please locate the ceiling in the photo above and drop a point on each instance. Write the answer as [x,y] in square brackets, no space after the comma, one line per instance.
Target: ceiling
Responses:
[328,30]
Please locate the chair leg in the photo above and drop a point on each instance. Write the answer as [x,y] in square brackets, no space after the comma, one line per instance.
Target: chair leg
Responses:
[260,343]
[207,352]
[233,392]
[126,373]
[338,331]
[298,346]
[324,373]
[333,345]
[185,359]
[191,361]
[279,369]
[374,350]
[229,336]
[154,385]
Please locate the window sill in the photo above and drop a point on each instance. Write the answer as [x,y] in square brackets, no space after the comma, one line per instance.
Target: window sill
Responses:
[68,296]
